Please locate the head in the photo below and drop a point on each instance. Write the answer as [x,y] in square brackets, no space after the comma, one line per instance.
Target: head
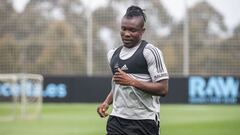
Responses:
[132,26]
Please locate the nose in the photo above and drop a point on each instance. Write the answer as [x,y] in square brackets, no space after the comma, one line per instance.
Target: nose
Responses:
[126,33]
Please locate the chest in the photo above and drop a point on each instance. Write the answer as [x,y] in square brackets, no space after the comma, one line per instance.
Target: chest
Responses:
[135,64]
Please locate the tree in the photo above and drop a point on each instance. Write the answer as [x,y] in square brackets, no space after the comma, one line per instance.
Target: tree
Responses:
[62,54]
[202,38]
[52,45]
[201,18]
[8,18]
[9,55]
[228,54]
[103,18]
[108,18]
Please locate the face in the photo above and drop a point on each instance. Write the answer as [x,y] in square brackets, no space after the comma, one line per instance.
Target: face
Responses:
[131,31]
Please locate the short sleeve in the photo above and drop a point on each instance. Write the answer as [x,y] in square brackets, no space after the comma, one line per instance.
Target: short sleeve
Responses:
[155,61]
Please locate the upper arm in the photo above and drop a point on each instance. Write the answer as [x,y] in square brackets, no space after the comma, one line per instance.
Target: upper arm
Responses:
[156,64]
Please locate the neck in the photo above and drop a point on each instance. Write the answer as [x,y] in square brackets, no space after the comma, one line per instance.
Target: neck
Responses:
[133,45]
[138,43]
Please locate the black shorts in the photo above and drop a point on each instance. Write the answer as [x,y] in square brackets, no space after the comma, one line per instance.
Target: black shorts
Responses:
[120,126]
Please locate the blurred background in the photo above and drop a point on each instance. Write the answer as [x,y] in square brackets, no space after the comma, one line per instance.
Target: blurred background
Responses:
[72,37]
[59,49]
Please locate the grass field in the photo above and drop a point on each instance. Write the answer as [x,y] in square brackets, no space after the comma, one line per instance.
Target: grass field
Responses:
[82,119]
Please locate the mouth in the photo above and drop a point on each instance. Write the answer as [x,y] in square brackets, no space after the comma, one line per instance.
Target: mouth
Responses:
[127,41]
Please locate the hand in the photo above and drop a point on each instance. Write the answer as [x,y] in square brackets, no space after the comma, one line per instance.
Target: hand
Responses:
[122,78]
[102,110]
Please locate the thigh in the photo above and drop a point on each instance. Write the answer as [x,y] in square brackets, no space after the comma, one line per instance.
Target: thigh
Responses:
[114,126]
[145,127]
[120,126]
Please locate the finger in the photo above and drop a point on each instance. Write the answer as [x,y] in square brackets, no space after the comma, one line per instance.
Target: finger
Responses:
[104,109]
[120,71]
[106,114]
[120,83]
[100,113]
[117,73]
[117,78]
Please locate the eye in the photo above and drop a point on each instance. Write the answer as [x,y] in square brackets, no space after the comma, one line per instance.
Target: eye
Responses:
[123,28]
[133,30]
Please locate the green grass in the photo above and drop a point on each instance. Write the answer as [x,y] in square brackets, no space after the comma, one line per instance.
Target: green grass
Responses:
[82,119]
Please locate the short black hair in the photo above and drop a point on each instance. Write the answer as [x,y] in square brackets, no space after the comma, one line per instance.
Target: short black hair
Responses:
[133,11]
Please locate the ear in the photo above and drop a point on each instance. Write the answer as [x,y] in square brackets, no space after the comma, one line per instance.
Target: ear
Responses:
[143,30]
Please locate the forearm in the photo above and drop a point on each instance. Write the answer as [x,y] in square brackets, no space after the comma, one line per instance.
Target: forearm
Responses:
[102,109]
[109,98]
[159,88]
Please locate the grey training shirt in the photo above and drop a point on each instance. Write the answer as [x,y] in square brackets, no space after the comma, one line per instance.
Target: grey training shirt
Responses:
[130,102]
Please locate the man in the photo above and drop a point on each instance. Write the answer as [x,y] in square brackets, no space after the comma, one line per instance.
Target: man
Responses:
[139,79]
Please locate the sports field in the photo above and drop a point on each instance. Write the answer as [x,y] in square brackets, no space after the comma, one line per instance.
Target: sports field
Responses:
[82,119]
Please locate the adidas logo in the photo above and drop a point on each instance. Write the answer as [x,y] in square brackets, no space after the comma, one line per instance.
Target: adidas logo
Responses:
[124,67]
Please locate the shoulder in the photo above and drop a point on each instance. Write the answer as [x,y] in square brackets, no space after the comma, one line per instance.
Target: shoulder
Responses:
[110,53]
[151,50]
